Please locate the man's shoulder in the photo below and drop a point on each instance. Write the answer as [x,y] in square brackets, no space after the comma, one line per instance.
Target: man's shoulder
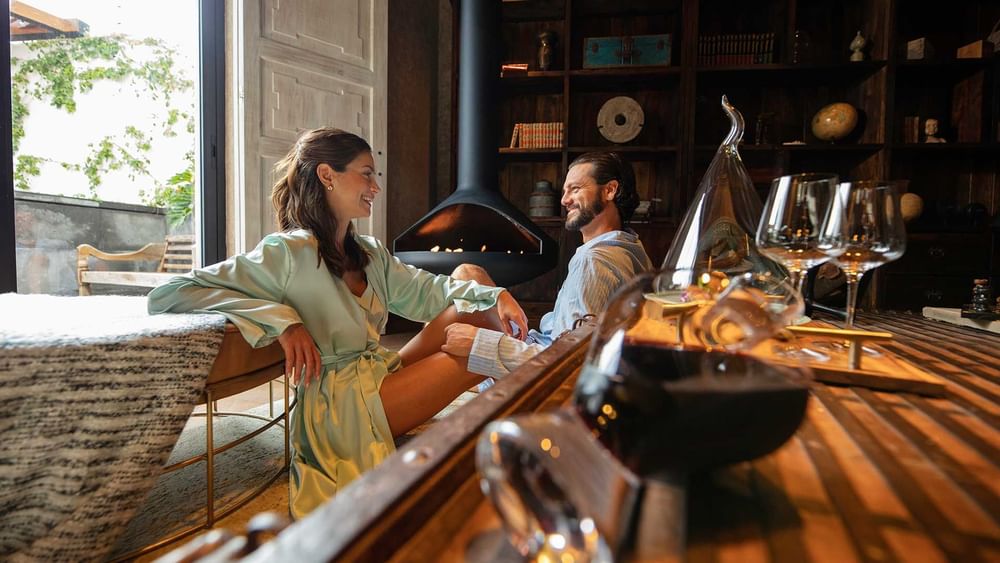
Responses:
[611,249]
[623,256]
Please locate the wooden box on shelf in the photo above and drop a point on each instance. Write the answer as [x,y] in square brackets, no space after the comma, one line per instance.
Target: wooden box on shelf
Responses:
[975,50]
[919,49]
[638,50]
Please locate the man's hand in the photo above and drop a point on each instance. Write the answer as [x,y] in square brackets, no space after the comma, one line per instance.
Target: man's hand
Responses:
[302,359]
[509,310]
[458,339]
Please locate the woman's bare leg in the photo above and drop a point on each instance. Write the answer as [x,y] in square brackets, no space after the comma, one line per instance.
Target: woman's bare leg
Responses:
[430,339]
[414,393]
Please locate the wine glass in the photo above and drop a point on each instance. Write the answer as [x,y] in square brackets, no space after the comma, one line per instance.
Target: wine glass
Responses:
[868,233]
[797,209]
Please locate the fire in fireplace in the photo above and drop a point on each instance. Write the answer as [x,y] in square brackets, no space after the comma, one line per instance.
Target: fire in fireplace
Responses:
[476,224]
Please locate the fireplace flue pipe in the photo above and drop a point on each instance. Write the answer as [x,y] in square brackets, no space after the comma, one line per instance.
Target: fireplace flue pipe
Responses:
[476,216]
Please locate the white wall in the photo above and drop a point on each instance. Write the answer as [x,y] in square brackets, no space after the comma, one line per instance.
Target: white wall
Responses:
[107,110]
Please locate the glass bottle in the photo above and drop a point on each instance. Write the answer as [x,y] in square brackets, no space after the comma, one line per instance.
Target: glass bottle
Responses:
[545,40]
[717,234]
[981,296]
[801,47]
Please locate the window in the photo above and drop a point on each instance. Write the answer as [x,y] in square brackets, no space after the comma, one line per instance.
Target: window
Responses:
[114,112]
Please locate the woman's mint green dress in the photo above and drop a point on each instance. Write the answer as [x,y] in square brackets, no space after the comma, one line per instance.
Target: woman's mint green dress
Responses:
[339,428]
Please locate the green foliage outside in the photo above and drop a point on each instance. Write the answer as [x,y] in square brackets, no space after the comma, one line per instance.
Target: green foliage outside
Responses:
[63,68]
[178,194]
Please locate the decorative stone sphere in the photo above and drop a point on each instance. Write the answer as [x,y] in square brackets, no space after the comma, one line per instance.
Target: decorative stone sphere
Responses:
[911,206]
[834,122]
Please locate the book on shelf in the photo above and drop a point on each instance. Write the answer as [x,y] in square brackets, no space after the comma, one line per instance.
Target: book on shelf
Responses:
[736,49]
[537,135]
[512,69]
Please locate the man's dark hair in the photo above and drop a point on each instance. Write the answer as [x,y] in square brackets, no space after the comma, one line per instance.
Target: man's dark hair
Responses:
[610,166]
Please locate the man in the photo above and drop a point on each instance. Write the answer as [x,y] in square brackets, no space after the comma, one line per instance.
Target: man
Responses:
[599,196]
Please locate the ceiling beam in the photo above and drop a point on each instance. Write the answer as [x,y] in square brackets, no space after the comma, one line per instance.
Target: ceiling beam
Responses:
[41,22]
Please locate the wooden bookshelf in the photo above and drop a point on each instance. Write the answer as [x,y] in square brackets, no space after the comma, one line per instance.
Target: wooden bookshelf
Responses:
[684,124]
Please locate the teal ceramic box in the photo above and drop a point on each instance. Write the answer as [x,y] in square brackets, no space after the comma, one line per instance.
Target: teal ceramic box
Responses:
[631,50]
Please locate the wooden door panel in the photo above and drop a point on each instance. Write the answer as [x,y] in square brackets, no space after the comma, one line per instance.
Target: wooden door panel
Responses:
[294,99]
[302,64]
[337,29]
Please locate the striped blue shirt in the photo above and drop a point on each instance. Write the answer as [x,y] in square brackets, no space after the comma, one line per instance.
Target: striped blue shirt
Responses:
[596,270]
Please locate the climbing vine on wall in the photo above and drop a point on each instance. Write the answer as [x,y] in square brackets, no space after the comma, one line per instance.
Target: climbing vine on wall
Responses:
[61,69]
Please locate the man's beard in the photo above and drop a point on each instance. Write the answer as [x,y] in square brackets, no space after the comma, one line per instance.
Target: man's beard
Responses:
[585,215]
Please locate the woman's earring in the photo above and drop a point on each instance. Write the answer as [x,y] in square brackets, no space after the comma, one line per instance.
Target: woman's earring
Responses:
[329,188]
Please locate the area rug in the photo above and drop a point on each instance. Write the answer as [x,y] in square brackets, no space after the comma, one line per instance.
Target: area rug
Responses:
[177,501]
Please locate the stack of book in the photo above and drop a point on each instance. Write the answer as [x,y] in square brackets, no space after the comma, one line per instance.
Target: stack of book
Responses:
[513,69]
[736,49]
[537,135]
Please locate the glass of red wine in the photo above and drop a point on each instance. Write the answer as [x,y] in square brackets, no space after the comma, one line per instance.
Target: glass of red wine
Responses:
[646,412]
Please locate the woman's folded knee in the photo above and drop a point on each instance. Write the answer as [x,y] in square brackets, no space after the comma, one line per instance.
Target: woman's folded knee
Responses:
[472,272]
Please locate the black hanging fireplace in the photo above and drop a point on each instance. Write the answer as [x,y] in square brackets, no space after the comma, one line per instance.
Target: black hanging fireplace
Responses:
[476,224]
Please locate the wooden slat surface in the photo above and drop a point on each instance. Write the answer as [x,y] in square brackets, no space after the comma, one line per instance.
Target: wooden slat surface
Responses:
[870,476]
[140,279]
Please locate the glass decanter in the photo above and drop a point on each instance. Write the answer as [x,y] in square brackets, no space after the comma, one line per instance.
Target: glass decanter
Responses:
[718,231]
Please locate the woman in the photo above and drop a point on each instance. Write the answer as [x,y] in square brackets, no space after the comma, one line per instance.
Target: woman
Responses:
[324,293]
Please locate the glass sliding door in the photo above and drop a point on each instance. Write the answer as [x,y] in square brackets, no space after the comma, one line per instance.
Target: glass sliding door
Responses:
[8,276]
[106,140]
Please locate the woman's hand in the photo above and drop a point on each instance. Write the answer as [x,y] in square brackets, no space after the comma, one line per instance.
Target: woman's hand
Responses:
[509,310]
[302,360]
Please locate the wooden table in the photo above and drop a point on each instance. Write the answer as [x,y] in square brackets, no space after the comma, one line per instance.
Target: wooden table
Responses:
[869,475]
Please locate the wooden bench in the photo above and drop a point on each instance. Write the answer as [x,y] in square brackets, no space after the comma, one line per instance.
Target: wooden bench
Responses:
[175,256]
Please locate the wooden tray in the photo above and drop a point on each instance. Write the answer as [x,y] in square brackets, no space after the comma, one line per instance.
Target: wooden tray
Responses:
[884,372]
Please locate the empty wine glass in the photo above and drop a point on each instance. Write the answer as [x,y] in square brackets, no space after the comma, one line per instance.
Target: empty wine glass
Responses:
[866,235]
[797,209]
[752,308]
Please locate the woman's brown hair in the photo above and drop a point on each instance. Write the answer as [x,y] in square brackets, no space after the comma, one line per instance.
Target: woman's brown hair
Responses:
[299,197]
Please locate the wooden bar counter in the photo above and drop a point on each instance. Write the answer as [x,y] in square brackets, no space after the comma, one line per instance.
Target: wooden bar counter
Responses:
[870,475]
